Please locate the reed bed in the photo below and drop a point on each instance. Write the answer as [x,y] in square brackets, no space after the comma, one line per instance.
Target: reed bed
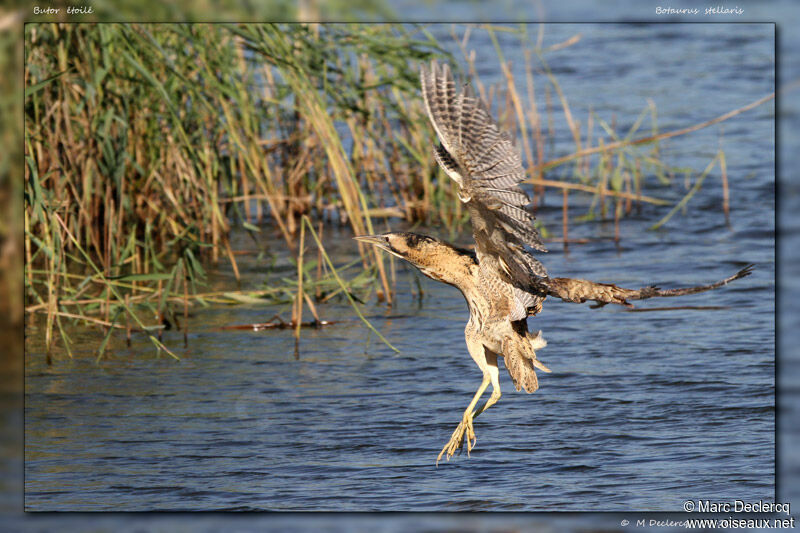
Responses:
[146,144]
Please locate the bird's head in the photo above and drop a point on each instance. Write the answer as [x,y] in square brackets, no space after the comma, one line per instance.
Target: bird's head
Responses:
[434,258]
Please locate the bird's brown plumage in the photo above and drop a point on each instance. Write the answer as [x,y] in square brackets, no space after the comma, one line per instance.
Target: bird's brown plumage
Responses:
[502,282]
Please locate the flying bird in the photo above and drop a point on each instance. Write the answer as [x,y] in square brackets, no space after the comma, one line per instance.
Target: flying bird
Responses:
[502,280]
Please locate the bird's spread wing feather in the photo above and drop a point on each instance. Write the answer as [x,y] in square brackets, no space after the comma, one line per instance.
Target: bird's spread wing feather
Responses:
[488,170]
[581,290]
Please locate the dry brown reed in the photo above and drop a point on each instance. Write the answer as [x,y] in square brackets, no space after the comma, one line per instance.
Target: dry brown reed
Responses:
[146,144]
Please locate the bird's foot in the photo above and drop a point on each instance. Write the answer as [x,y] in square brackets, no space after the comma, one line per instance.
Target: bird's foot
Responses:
[456,443]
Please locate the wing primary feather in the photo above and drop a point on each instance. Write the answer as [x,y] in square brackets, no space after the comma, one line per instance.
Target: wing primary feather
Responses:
[447,162]
[484,162]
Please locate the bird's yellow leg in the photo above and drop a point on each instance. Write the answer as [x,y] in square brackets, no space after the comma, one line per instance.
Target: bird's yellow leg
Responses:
[465,426]
[490,402]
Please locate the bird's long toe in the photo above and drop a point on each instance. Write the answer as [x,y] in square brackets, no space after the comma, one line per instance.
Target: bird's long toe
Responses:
[470,434]
[464,431]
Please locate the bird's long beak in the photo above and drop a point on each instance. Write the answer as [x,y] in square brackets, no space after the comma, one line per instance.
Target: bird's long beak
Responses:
[381,241]
[378,240]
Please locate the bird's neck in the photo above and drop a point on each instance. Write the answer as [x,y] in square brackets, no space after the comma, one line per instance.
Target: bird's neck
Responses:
[451,266]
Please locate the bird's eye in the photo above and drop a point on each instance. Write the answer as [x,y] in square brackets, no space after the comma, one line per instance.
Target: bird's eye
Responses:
[413,240]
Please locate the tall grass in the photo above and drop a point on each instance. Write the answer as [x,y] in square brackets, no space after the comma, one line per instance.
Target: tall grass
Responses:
[146,144]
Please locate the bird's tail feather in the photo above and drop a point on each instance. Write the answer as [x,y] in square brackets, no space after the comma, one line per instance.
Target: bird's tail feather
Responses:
[521,361]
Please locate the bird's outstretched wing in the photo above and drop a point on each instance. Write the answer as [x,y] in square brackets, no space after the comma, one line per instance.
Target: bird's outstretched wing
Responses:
[581,290]
[488,170]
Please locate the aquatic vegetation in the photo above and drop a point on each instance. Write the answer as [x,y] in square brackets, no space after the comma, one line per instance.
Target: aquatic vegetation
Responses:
[145,144]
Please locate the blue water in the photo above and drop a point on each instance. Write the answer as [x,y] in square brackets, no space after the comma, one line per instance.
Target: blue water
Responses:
[642,411]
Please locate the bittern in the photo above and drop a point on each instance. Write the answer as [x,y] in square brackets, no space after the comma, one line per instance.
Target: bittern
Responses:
[501,280]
